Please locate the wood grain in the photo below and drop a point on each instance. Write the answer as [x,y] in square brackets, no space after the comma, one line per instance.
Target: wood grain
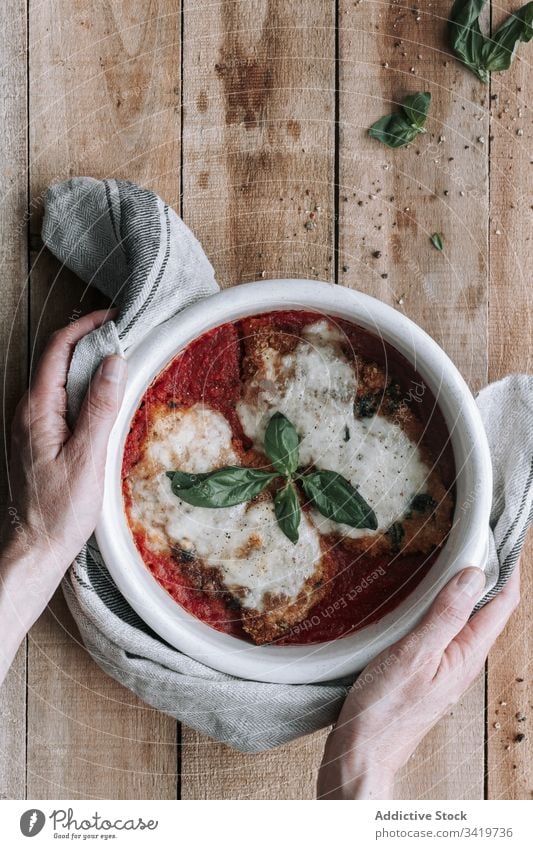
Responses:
[441,768]
[390,202]
[258,140]
[510,762]
[214,771]
[258,154]
[89,737]
[104,101]
[13,336]
[105,93]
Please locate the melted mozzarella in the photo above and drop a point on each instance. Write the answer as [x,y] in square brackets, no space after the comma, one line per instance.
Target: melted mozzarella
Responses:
[314,386]
[193,440]
[244,542]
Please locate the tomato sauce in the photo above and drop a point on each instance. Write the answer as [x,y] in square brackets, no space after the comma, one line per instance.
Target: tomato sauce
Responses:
[365,587]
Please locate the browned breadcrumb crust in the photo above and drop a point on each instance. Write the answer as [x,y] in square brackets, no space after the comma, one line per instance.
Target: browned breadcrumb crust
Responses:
[259,339]
[279,614]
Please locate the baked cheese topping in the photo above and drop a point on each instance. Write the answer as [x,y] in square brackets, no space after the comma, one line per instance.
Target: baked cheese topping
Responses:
[244,542]
[314,386]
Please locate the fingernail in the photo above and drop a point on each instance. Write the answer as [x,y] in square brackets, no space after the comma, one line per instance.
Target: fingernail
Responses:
[114,369]
[471,581]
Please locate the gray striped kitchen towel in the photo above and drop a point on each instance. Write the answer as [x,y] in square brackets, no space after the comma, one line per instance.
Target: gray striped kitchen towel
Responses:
[134,248]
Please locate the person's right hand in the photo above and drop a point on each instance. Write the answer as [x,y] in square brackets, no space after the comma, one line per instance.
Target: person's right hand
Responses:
[55,480]
[398,698]
[56,475]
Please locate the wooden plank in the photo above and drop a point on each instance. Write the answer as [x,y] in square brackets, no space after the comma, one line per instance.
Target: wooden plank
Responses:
[510,763]
[439,768]
[213,771]
[105,93]
[510,697]
[13,335]
[89,737]
[13,731]
[104,101]
[390,202]
[258,141]
[258,153]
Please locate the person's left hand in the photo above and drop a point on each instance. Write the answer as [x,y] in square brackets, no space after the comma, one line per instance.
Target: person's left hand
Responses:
[55,475]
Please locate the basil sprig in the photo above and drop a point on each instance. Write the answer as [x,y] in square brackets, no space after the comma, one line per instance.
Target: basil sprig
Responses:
[480,53]
[401,128]
[329,492]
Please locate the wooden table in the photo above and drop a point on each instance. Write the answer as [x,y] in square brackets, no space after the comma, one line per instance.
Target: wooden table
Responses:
[249,118]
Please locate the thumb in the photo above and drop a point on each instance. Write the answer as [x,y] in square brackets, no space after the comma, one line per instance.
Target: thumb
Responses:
[101,405]
[451,609]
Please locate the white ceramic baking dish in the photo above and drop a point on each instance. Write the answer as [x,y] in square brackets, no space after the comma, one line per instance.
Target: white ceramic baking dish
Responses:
[468,540]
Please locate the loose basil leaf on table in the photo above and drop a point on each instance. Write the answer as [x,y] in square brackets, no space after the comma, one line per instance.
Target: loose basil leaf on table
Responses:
[437,241]
[287,510]
[481,53]
[416,108]
[336,498]
[401,128]
[221,488]
[499,50]
[393,130]
[281,444]
[465,35]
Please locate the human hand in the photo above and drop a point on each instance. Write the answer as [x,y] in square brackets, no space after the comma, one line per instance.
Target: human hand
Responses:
[400,696]
[55,475]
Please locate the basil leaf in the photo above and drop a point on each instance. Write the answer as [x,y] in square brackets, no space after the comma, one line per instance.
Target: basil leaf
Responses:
[281,444]
[416,108]
[437,241]
[393,130]
[422,502]
[287,510]
[336,498]
[184,480]
[396,534]
[466,37]
[366,405]
[499,50]
[480,53]
[401,128]
[220,488]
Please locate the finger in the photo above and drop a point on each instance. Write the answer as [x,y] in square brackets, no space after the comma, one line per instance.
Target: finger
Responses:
[48,384]
[449,612]
[99,410]
[479,634]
